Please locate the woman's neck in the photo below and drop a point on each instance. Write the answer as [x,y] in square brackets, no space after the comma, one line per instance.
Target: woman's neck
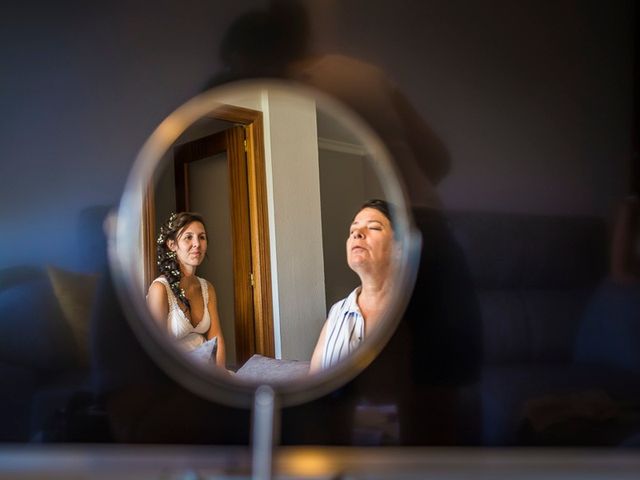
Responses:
[375,286]
[373,298]
[188,272]
[374,289]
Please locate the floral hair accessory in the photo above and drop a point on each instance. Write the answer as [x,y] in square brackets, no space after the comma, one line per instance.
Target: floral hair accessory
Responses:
[166,229]
[167,260]
[172,219]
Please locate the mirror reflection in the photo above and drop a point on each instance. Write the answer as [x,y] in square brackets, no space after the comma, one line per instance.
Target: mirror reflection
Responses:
[371,253]
[268,243]
[182,303]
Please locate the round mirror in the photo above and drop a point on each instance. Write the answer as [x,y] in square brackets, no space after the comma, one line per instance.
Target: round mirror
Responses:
[299,261]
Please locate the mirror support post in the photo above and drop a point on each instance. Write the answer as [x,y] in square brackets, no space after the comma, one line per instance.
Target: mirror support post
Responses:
[265,432]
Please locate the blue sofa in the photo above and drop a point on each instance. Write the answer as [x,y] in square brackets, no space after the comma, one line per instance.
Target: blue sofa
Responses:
[42,363]
[560,345]
[553,330]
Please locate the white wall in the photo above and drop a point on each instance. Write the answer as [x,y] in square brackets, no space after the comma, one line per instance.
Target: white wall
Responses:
[297,218]
[295,227]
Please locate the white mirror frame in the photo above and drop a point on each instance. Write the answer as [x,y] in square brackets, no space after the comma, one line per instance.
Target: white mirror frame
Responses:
[123,252]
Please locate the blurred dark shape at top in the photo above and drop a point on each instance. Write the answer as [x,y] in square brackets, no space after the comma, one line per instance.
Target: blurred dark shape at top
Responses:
[262,43]
[274,43]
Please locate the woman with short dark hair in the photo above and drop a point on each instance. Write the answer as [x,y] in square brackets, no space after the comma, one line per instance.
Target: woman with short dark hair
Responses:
[371,251]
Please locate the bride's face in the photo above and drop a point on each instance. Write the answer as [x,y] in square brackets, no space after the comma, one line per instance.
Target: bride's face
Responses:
[190,244]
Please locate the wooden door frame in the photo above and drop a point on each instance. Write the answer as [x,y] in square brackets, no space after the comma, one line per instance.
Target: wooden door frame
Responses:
[229,142]
[252,123]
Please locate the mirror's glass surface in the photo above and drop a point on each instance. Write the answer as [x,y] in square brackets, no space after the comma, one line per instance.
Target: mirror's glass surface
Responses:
[278,176]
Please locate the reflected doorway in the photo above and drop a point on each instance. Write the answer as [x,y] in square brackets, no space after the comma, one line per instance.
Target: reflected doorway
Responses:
[216,168]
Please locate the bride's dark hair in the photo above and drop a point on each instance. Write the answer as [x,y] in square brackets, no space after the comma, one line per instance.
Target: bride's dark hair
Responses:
[167,260]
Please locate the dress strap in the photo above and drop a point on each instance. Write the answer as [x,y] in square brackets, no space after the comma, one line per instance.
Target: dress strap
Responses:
[205,291]
[173,303]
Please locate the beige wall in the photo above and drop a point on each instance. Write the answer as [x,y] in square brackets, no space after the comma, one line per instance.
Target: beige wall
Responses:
[295,227]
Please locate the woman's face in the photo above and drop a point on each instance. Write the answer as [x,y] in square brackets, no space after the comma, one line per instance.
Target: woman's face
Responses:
[190,245]
[370,243]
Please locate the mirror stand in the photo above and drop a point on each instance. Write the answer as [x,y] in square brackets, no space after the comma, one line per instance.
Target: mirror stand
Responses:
[265,432]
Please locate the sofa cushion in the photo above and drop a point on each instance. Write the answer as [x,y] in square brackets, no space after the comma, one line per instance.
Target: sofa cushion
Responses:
[75,294]
[553,318]
[488,243]
[562,252]
[18,385]
[510,250]
[534,275]
[524,325]
[33,331]
[52,397]
[506,391]
[504,327]
[610,332]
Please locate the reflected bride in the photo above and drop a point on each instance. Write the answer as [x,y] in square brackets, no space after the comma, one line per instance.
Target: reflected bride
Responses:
[371,252]
[183,304]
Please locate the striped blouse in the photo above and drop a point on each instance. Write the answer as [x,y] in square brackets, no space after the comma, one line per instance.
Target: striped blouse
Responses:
[345,330]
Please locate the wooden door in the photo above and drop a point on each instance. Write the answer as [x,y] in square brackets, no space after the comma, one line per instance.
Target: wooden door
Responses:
[186,158]
[243,145]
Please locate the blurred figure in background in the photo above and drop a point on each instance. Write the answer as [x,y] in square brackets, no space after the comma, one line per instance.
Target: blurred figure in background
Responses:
[275,42]
[436,349]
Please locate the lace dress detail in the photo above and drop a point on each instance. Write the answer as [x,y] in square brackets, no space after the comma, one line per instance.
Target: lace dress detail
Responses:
[180,326]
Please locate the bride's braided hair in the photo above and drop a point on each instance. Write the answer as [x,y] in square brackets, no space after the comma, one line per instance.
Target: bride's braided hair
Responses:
[166,259]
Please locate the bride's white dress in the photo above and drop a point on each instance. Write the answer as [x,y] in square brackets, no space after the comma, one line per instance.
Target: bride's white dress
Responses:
[188,336]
